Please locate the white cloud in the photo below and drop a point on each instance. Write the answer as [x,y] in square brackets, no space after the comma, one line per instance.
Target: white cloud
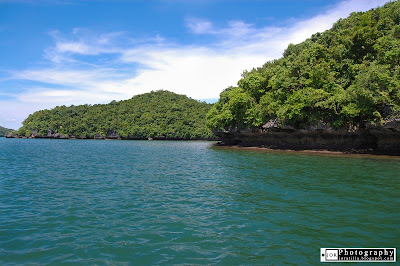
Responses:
[195,74]
[73,47]
[78,86]
[12,113]
[83,42]
[66,97]
[200,72]
[235,28]
[200,26]
[60,76]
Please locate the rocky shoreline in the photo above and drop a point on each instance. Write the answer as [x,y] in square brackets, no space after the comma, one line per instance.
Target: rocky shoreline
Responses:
[370,139]
[111,136]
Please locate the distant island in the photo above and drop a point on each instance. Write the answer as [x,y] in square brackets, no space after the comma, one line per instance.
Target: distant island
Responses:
[338,90]
[154,115]
[4,131]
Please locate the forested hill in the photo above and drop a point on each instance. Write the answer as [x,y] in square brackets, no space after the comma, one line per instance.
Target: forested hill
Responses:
[4,131]
[346,77]
[158,115]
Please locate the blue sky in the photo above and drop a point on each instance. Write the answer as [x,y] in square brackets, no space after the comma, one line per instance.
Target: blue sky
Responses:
[63,52]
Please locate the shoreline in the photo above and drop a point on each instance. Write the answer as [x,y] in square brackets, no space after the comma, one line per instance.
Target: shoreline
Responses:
[308,152]
[375,140]
[143,139]
[218,145]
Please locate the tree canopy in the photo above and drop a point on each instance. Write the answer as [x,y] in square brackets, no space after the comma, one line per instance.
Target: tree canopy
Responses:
[159,114]
[345,77]
[4,131]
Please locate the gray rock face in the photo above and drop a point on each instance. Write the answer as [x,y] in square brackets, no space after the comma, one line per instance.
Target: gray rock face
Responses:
[393,124]
[98,136]
[11,135]
[112,135]
[371,139]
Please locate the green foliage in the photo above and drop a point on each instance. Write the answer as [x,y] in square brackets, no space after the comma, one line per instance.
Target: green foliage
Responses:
[159,114]
[346,76]
[4,131]
[235,109]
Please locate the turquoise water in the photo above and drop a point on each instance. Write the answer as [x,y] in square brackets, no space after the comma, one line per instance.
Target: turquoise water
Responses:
[170,202]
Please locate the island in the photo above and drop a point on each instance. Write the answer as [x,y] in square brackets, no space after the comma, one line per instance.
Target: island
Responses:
[158,115]
[4,131]
[338,90]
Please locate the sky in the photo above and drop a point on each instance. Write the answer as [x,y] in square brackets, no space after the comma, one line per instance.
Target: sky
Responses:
[71,52]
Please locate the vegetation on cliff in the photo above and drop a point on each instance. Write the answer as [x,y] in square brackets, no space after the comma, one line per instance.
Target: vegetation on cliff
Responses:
[4,131]
[347,76]
[159,114]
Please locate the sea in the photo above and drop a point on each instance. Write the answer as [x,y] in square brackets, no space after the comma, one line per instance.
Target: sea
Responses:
[113,202]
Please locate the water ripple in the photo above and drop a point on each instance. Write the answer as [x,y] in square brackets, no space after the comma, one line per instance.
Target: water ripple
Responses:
[141,202]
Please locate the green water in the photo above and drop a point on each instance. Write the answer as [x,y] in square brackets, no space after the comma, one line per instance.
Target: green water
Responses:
[170,202]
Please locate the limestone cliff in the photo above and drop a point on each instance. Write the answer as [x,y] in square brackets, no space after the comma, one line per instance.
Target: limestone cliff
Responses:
[382,139]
